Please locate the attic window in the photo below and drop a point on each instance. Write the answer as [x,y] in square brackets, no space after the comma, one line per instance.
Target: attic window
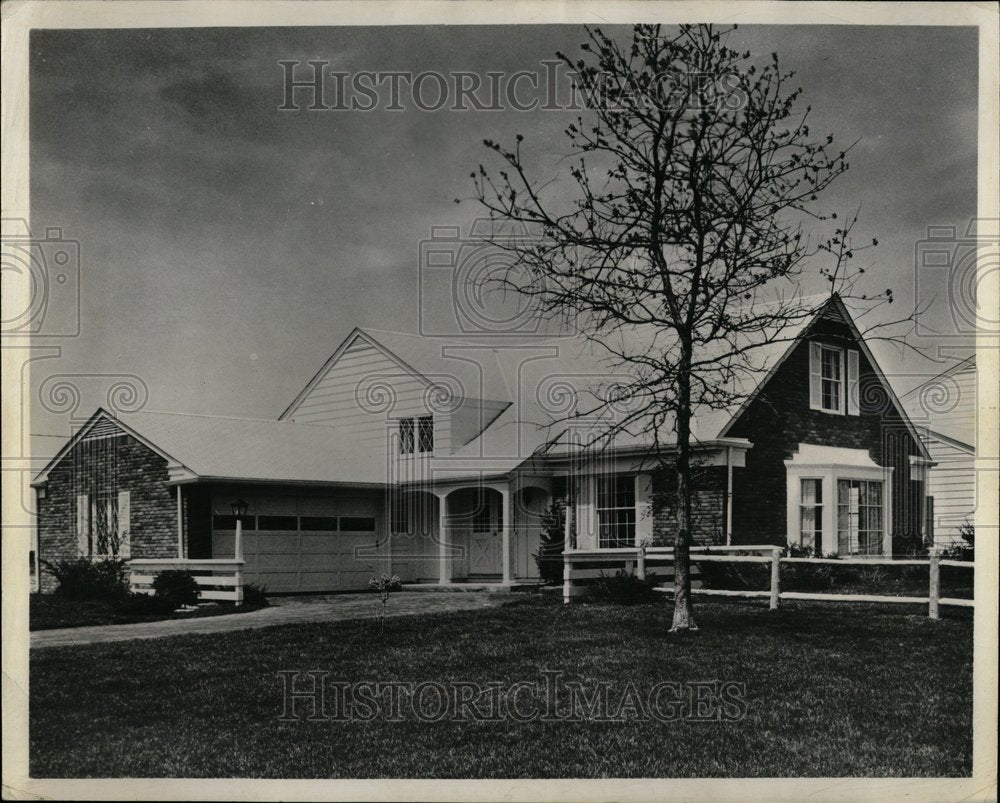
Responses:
[833,379]
[416,435]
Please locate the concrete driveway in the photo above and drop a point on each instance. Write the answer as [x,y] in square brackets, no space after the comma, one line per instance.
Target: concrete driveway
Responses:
[282,611]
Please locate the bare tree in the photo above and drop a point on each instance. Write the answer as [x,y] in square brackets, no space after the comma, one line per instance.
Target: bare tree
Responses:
[693,175]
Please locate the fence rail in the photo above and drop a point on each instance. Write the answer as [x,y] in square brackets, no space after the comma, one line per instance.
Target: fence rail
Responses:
[638,559]
[218,579]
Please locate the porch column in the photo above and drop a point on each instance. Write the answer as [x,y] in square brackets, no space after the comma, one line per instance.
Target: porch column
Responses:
[729,495]
[180,524]
[505,533]
[568,524]
[444,568]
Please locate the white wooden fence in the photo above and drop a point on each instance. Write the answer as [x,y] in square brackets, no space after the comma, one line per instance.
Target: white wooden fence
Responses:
[219,579]
[590,564]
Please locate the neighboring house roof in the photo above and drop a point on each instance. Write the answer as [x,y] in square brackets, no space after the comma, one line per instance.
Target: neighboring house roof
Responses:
[944,407]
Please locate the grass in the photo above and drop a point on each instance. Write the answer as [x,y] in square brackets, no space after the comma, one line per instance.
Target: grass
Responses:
[831,690]
[50,611]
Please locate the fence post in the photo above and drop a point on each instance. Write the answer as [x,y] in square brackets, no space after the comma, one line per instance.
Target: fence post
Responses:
[775,578]
[934,570]
[641,569]
[567,582]
[238,588]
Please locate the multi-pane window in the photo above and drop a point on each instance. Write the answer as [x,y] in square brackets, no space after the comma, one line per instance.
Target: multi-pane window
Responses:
[616,511]
[416,435]
[104,524]
[406,436]
[832,379]
[859,517]
[425,434]
[811,514]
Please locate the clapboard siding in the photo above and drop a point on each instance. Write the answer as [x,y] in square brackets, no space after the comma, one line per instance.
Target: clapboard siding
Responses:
[952,484]
[365,391]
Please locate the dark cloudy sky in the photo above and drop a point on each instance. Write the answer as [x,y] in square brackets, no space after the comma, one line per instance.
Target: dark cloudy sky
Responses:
[228,247]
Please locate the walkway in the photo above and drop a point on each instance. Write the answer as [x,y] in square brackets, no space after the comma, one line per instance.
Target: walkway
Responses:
[282,611]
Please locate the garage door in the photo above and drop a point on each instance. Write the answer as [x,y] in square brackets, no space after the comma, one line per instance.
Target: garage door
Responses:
[306,544]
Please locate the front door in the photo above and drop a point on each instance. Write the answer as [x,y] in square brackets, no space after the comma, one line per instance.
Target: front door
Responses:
[485,538]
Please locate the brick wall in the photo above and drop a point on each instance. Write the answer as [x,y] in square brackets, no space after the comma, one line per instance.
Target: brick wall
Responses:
[779,419]
[108,465]
[708,525]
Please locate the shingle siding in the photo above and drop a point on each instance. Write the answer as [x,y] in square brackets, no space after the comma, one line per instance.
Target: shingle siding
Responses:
[108,465]
[779,419]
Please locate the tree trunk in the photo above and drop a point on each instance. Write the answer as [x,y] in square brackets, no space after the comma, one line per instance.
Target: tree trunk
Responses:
[683,610]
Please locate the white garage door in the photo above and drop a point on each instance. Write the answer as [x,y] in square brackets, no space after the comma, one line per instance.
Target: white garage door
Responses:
[306,544]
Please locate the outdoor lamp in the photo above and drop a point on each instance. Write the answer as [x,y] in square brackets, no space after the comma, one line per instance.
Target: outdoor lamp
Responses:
[239,509]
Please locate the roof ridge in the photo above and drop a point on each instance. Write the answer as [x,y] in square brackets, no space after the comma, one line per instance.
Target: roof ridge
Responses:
[116,414]
[970,360]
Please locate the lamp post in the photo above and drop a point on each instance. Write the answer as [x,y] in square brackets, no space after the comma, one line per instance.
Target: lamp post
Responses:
[239,511]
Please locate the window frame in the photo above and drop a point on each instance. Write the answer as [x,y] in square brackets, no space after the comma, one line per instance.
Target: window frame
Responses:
[854,532]
[817,508]
[627,489]
[841,380]
[110,498]
[416,435]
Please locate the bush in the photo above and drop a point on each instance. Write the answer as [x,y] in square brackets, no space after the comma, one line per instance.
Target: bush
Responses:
[255,595]
[86,579]
[735,576]
[549,557]
[805,576]
[624,588]
[176,588]
[138,604]
[965,550]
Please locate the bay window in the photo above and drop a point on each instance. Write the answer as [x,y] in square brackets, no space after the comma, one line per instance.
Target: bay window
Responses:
[811,514]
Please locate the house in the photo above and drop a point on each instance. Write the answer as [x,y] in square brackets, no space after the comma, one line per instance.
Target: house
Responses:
[944,411]
[435,459]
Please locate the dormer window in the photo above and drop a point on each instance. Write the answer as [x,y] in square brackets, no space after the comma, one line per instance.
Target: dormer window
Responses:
[416,435]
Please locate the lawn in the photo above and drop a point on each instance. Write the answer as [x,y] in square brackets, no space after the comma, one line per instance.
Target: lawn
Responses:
[830,690]
[50,611]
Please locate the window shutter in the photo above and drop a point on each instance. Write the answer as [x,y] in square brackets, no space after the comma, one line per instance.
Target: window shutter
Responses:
[643,508]
[853,398]
[124,525]
[82,539]
[815,377]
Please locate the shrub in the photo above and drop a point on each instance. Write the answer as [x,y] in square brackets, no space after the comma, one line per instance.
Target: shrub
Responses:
[138,604]
[735,576]
[624,588]
[965,550]
[176,588]
[255,595]
[805,576]
[86,579]
[549,557]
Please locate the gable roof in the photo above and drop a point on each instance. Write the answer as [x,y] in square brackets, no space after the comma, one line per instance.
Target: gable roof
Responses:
[469,368]
[834,306]
[934,405]
[243,449]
